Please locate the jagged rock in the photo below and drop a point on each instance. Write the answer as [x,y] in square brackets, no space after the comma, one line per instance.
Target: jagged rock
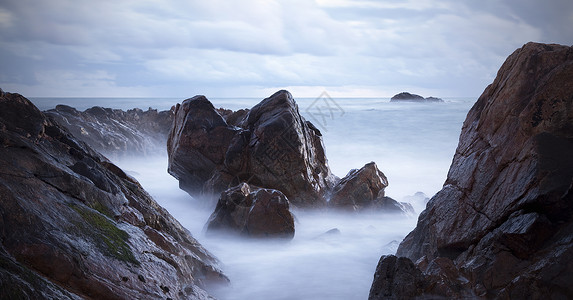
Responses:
[252,212]
[363,189]
[504,215]
[73,225]
[272,146]
[115,132]
[407,97]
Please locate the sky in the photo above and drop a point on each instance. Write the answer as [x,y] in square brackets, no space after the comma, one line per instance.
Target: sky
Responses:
[252,48]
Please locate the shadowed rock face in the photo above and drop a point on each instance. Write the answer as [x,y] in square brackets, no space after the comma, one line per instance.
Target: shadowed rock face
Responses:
[252,212]
[73,225]
[504,215]
[271,146]
[115,132]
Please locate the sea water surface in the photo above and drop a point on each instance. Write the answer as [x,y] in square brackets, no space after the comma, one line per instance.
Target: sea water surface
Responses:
[412,143]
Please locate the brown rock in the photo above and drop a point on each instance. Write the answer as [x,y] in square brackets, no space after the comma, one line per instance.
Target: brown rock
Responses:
[273,147]
[504,214]
[73,225]
[252,212]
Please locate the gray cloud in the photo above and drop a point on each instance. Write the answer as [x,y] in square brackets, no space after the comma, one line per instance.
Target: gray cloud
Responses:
[232,48]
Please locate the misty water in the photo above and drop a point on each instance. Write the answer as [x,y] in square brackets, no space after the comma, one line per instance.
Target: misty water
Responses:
[412,143]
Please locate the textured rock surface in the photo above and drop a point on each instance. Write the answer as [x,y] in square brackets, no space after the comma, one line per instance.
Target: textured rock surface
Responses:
[74,225]
[116,132]
[271,146]
[252,212]
[504,215]
[363,189]
[407,97]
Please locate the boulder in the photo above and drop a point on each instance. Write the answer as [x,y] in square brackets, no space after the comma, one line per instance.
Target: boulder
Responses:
[253,212]
[407,97]
[114,132]
[272,146]
[75,226]
[363,189]
[504,215]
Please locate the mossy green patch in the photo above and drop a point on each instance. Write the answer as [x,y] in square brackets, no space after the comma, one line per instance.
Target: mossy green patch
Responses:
[109,239]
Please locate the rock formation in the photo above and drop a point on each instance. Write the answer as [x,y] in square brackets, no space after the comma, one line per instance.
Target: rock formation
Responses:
[252,212]
[73,225]
[407,97]
[363,189]
[115,132]
[271,146]
[502,225]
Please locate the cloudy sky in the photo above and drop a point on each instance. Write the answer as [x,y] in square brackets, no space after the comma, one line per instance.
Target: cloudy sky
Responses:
[251,48]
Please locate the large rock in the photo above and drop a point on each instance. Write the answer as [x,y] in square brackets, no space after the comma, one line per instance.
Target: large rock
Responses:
[115,132]
[252,212]
[73,225]
[272,146]
[504,215]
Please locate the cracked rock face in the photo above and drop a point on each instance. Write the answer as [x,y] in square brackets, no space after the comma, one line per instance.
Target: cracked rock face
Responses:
[73,225]
[504,215]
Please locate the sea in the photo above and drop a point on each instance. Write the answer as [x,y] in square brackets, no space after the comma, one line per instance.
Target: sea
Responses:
[413,145]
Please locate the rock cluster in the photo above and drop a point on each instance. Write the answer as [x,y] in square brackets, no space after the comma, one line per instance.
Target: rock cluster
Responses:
[502,225]
[117,133]
[73,225]
[407,97]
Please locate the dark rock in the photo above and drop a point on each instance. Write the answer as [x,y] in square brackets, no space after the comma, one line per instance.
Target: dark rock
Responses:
[272,146]
[407,97]
[396,278]
[363,189]
[115,132]
[73,225]
[252,212]
[504,214]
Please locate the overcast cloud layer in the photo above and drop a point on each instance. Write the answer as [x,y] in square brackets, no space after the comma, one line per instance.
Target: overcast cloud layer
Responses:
[251,48]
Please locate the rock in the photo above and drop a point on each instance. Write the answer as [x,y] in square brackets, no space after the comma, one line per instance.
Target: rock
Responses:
[363,189]
[73,225]
[115,132]
[272,146]
[503,216]
[252,212]
[407,97]
[396,278]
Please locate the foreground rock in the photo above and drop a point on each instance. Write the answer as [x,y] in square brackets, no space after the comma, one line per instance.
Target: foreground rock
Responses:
[271,146]
[252,212]
[115,132]
[502,225]
[407,97]
[73,225]
[363,189]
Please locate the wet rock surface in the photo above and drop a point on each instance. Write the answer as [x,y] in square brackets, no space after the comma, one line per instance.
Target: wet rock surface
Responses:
[73,225]
[270,145]
[117,133]
[504,216]
[252,212]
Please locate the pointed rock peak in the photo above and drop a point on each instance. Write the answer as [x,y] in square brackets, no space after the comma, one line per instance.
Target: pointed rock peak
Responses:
[198,102]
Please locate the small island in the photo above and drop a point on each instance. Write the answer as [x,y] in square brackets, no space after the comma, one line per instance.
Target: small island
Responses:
[407,97]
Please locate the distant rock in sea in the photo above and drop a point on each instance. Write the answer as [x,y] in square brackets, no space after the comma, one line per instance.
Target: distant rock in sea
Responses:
[407,97]
[502,226]
[74,226]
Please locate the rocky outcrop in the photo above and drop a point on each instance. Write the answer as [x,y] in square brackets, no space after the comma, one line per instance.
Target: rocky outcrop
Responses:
[363,189]
[73,225]
[115,132]
[503,221]
[271,146]
[407,97]
[252,212]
